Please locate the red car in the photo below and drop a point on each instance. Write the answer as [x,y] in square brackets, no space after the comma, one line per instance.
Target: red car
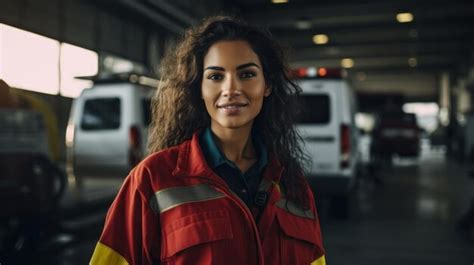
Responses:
[395,133]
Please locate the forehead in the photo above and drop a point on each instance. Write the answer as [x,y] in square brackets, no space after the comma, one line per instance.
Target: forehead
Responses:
[230,53]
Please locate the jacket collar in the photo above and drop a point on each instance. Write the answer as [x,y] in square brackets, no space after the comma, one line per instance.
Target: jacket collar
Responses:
[216,158]
[192,163]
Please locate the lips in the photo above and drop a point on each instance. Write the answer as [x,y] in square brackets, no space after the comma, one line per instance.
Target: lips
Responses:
[232,108]
[232,105]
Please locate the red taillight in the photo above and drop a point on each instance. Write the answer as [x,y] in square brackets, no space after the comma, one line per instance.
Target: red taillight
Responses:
[322,71]
[134,137]
[134,154]
[345,146]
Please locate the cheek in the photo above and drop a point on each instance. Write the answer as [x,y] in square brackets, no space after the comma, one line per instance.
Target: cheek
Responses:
[208,97]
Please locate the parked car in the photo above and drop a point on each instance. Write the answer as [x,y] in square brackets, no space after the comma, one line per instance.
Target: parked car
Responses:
[31,184]
[108,128]
[327,126]
[395,133]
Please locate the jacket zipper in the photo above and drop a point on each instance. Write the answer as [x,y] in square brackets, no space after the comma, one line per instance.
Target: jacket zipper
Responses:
[236,199]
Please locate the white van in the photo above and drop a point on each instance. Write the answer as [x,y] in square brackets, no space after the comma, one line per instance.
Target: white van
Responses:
[108,129]
[327,126]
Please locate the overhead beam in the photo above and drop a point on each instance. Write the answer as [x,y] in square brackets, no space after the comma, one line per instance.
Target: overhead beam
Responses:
[461,30]
[150,14]
[170,9]
[447,49]
[353,14]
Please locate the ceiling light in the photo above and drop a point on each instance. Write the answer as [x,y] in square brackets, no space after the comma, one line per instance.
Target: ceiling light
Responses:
[347,63]
[412,62]
[404,17]
[279,1]
[320,39]
[303,23]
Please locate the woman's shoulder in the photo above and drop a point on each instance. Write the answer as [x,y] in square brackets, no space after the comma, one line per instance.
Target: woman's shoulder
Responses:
[163,159]
[156,170]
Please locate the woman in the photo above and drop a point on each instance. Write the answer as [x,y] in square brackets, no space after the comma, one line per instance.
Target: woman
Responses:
[224,182]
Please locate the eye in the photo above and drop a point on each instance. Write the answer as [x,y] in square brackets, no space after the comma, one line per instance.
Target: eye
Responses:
[247,75]
[215,77]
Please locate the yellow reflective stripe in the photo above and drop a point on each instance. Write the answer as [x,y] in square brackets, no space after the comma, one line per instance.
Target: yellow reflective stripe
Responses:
[167,199]
[295,209]
[277,186]
[103,255]
[320,261]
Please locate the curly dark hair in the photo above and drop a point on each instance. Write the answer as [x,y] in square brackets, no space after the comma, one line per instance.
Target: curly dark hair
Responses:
[178,110]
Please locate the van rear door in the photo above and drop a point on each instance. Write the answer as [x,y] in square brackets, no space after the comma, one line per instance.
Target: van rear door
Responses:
[98,150]
[318,125]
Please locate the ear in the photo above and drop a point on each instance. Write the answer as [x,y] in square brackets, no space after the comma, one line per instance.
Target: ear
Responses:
[268,91]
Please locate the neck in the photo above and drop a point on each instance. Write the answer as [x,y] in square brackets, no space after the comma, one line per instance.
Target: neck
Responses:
[235,144]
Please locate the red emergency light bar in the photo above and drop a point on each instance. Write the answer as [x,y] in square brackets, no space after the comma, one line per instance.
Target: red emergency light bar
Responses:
[313,72]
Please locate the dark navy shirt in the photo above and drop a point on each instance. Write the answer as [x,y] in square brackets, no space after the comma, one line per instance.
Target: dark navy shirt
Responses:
[244,184]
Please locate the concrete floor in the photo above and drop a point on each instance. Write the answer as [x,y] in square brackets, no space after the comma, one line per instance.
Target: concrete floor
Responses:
[407,218]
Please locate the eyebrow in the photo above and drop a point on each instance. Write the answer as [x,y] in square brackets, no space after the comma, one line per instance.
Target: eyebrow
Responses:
[242,66]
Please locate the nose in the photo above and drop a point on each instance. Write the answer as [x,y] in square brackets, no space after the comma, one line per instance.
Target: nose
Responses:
[231,87]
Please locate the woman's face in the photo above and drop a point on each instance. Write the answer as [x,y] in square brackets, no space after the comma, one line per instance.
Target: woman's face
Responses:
[233,85]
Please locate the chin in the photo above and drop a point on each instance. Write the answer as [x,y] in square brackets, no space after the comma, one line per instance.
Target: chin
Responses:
[235,124]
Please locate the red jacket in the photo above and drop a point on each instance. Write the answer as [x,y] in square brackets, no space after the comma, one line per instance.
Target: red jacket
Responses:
[173,209]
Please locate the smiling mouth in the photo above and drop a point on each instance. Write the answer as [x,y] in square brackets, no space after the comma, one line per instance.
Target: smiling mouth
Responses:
[232,109]
[232,105]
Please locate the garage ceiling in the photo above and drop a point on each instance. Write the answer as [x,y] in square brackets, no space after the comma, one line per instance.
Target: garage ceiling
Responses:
[440,38]
[389,57]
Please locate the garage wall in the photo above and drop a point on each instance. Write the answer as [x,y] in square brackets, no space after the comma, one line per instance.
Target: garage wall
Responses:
[80,23]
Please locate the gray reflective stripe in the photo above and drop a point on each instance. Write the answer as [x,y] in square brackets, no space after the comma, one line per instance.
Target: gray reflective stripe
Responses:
[169,198]
[292,208]
[265,185]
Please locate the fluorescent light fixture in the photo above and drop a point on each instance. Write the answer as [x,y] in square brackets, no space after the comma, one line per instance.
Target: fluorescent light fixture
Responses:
[279,1]
[412,62]
[404,17]
[147,81]
[347,63]
[303,24]
[320,39]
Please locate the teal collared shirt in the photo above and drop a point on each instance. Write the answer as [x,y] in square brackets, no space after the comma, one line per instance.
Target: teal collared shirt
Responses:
[244,184]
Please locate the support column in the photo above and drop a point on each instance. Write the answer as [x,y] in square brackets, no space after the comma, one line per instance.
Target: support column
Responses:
[444,99]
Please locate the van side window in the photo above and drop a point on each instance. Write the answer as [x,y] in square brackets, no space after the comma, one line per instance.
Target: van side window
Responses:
[315,109]
[146,111]
[101,114]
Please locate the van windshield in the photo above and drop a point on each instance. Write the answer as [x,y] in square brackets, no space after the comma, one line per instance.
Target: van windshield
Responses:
[314,109]
[101,114]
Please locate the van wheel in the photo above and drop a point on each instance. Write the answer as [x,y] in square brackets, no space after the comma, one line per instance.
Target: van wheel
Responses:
[339,207]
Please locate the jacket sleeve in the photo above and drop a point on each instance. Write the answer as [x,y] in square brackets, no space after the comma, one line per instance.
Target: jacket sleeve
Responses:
[131,233]
[320,252]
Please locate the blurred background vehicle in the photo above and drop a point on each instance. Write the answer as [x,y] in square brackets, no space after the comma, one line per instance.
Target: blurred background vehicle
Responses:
[395,133]
[108,127]
[31,184]
[330,136]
